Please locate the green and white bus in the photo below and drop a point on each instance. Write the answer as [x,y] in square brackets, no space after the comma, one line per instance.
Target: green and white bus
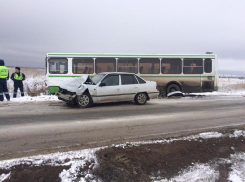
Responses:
[186,73]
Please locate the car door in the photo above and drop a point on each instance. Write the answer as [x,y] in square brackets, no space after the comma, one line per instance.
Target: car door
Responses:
[109,89]
[129,87]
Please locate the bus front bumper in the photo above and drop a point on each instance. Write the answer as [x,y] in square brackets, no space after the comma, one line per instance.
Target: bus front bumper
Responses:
[65,97]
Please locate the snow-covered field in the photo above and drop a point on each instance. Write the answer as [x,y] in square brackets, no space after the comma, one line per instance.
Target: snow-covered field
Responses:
[228,87]
[78,161]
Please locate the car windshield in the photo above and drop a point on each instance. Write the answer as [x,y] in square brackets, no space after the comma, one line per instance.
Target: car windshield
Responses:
[97,78]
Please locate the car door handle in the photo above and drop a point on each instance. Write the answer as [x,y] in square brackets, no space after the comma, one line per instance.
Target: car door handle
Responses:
[136,87]
[118,89]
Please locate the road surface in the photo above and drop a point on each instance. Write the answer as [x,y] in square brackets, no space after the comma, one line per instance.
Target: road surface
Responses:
[43,127]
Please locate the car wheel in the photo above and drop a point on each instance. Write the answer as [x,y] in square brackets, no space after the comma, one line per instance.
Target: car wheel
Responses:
[172,88]
[85,100]
[141,98]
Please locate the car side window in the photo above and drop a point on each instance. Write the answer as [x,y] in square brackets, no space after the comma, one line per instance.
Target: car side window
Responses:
[141,81]
[111,80]
[128,79]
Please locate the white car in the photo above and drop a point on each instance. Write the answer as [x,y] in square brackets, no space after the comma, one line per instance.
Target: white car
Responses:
[107,87]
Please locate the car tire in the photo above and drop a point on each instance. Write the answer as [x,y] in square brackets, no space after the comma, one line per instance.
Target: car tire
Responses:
[84,101]
[172,88]
[141,98]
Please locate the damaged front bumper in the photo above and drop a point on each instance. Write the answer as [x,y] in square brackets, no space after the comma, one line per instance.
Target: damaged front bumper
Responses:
[65,97]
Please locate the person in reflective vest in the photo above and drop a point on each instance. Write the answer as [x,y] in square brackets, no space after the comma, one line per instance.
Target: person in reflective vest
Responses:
[4,76]
[18,77]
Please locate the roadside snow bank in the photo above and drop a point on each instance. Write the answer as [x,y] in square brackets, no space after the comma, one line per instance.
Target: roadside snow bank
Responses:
[206,135]
[35,99]
[4,176]
[237,173]
[77,160]
[198,172]
[228,93]
[238,133]
[208,173]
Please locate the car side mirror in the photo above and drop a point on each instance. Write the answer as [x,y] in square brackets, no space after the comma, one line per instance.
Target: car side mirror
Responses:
[102,84]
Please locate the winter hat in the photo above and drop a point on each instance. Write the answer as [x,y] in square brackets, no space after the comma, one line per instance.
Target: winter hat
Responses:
[1,62]
[18,68]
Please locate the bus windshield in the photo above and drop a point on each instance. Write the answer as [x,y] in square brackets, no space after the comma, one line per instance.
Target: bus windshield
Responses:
[97,78]
[58,66]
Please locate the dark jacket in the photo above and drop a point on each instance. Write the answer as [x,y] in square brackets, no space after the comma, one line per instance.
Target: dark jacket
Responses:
[12,77]
[3,64]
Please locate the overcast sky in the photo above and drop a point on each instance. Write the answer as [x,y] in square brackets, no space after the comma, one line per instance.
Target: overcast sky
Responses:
[29,29]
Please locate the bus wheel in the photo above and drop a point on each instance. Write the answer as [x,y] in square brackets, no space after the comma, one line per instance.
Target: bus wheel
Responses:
[172,88]
[141,98]
[84,100]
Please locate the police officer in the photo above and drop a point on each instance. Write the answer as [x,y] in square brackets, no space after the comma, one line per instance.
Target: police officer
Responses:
[18,77]
[4,76]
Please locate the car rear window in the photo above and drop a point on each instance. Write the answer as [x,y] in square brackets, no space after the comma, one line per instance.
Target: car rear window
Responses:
[128,79]
[141,81]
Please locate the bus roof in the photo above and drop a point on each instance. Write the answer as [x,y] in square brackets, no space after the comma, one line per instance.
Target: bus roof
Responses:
[130,55]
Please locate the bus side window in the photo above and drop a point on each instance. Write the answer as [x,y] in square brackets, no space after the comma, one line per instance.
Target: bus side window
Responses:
[193,66]
[208,65]
[127,65]
[149,66]
[171,66]
[105,65]
[82,65]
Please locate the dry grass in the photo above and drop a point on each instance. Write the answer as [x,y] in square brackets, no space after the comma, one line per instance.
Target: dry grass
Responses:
[29,72]
[35,90]
[231,84]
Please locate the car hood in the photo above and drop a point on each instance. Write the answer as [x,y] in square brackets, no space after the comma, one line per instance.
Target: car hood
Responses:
[75,85]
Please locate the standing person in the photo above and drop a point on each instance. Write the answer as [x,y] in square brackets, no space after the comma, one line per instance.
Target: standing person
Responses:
[4,76]
[18,77]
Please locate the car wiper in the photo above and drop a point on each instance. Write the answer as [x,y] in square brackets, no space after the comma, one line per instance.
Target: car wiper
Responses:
[90,79]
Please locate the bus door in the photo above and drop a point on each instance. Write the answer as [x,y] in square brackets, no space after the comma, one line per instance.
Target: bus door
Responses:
[193,71]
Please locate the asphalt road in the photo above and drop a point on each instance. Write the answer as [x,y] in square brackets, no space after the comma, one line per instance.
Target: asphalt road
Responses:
[43,127]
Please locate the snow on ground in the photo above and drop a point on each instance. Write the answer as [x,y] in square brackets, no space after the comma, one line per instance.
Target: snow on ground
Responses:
[205,135]
[33,99]
[79,159]
[228,87]
[237,173]
[208,135]
[34,82]
[33,85]
[4,176]
[227,82]
[220,93]
[209,173]
[238,133]
[76,159]
[195,173]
